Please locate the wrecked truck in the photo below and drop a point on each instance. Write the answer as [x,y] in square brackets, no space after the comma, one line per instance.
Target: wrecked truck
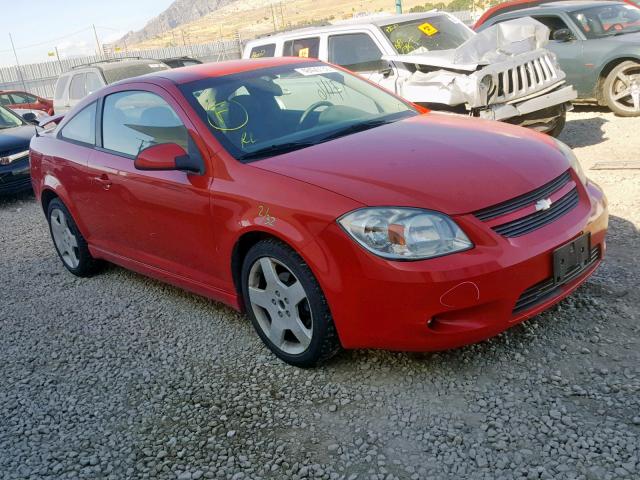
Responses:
[434,60]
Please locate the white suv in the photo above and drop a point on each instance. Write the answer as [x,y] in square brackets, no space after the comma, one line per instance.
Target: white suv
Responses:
[435,60]
[83,80]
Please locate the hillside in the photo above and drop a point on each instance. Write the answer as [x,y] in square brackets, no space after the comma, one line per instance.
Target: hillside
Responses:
[250,18]
[179,13]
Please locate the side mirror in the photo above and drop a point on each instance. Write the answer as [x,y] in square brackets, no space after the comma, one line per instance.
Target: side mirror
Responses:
[386,69]
[166,156]
[30,117]
[563,35]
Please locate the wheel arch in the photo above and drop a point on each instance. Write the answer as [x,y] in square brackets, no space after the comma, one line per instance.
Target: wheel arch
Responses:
[242,246]
[46,196]
[606,70]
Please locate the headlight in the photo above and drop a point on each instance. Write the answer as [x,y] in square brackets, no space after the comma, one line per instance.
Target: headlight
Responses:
[573,160]
[405,233]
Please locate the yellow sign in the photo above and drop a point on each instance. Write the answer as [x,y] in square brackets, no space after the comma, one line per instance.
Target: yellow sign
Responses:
[303,52]
[118,49]
[51,54]
[428,29]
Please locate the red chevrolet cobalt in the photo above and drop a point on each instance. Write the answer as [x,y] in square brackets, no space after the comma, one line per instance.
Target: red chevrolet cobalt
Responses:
[331,211]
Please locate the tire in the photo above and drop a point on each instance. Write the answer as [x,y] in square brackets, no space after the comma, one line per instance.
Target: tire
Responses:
[614,85]
[291,298]
[69,242]
[559,126]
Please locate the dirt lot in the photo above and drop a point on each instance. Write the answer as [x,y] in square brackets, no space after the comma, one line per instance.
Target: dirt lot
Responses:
[122,377]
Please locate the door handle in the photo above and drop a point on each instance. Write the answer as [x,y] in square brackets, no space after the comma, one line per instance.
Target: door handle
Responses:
[104,181]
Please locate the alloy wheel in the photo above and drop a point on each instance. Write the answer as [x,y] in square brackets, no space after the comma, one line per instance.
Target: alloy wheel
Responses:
[281,306]
[625,89]
[66,242]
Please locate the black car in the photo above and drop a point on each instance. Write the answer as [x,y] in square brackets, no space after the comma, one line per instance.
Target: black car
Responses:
[178,62]
[15,135]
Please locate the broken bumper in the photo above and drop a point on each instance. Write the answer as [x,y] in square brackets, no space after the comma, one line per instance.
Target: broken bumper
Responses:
[517,109]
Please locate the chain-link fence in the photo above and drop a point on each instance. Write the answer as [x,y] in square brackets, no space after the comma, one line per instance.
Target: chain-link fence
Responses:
[40,78]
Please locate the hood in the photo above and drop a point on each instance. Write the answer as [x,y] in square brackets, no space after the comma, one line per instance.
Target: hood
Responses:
[495,44]
[13,140]
[442,162]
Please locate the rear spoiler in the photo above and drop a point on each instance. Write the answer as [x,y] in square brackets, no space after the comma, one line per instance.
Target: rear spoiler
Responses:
[55,119]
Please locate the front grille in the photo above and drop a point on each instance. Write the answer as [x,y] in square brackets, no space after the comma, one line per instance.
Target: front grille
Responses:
[524,200]
[548,288]
[10,184]
[525,78]
[536,220]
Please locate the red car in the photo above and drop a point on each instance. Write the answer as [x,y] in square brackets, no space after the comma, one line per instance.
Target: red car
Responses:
[25,101]
[331,211]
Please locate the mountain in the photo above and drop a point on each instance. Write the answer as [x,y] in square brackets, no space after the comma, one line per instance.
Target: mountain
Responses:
[178,13]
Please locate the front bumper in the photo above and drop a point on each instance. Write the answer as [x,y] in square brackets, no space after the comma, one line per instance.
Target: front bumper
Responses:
[554,98]
[15,177]
[454,300]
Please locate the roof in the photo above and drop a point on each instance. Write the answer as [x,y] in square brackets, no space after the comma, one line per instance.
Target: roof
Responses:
[116,63]
[569,5]
[376,20]
[219,69]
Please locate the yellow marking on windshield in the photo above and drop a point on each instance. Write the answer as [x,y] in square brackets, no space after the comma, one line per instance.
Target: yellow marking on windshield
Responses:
[428,29]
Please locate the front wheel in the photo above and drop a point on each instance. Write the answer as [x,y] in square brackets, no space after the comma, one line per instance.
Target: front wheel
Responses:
[621,89]
[286,305]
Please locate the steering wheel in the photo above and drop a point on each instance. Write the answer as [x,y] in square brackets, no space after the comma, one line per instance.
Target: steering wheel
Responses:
[311,108]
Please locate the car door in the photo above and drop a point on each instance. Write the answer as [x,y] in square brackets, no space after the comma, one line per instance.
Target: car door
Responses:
[570,53]
[360,53]
[158,218]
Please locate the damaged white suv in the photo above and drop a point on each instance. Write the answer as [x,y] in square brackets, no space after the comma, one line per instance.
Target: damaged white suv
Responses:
[433,59]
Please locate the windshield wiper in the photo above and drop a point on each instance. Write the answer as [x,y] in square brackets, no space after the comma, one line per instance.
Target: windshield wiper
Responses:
[276,150]
[355,128]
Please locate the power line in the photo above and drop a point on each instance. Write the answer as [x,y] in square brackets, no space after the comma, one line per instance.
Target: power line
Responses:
[48,42]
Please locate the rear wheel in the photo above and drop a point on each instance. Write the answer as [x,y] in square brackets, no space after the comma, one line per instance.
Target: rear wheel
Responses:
[286,305]
[621,89]
[69,242]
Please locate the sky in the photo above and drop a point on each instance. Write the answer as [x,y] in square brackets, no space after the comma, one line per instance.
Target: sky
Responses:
[38,26]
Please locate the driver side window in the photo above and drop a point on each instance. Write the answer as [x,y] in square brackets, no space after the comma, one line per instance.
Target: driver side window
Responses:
[553,23]
[135,120]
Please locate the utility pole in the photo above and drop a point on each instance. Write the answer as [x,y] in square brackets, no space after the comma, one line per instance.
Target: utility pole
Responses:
[99,47]
[24,86]
[273,16]
[58,57]
[398,6]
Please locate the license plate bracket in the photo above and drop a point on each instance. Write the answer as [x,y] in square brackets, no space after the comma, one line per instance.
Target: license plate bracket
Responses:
[571,258]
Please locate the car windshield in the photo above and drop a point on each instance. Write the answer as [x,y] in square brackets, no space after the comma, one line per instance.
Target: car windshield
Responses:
[607,20]
[114,74]
[267,112]
[435,32]
[8,119]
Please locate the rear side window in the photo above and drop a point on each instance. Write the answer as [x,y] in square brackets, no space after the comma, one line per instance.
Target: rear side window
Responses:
[82,127]
[355,51]
[302,47]
[77,89]
[135,120]
[4,100]
[61,87]
[263,51]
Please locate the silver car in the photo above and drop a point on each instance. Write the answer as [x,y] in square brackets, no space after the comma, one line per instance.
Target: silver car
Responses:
[83,80]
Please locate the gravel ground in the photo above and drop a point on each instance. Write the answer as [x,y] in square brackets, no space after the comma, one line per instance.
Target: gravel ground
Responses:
[122,377]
